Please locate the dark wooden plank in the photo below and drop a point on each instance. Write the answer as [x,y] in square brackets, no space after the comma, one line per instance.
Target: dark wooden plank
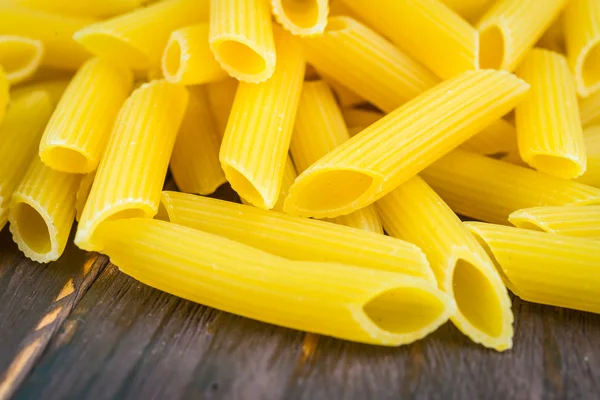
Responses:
[35,299]
[128,340]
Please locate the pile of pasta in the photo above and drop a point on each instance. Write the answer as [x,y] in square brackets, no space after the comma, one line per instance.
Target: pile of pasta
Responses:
[335,121]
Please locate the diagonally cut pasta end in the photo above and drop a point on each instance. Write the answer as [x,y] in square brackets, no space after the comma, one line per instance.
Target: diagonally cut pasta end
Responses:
[492,48]
[483,307]
[20,57]
[111,46]
[165,208]
[67,159]
[131,208]
[403,313]
[244,186]
[587,69]
[525,220]
[331,192]
[559,166]
[33,231]
[241,60]
[303,18]
[173,64]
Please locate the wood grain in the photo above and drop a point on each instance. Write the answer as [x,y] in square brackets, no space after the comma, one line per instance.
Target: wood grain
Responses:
[35,299]
[79,329]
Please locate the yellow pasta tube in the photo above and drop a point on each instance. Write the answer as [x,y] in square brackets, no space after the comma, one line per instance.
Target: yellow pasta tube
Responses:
[401,144]
[592,148]
[188,59]
[53,30]
[304,18]
[20,131]
[289,176]
[138,38]
[241,38]
[582,34]
[87,8]
[499,140]
[220,97]
[471,10]
[83,192]
[415,213]
[589,108]
[511,27]
[367,64]
[320,128]
[195,160]
[75,137]
[295,238]
[345,96]
[543,268]
[548,124]
[41,211]
[132,171]
[20,56]
[4,92]
[489,190]
[259,131]
[574,221]
[427,29]
[53,88]
[332,299]
[360,118]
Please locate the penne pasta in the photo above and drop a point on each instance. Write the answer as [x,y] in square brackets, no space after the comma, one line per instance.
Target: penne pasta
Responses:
[20,131]
[548,124]
[592,148]
[332,299]
[53,88]
[543,268]
[319,129]
[413,212]
[82,193]
[511,27]
[304,18]
[427,30]
[53,30]
[400,145]
[295,238]
[345,96]
[499,140]
[575,221]
[241,38]
[132,171]
[471,10]
[188,59]
[41,211]
[220,98]
[367,64]
[259,130]
[590,110]
[87,8]
[4,92]
[20,56]
[582,35]
[75,137]
[490,190]
[195,160]
[138,38]
[289,176]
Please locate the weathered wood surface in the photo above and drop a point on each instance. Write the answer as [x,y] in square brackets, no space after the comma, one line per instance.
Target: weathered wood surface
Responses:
[79,329]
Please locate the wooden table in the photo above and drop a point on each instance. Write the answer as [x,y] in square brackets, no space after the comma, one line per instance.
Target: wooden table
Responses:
[79,329]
